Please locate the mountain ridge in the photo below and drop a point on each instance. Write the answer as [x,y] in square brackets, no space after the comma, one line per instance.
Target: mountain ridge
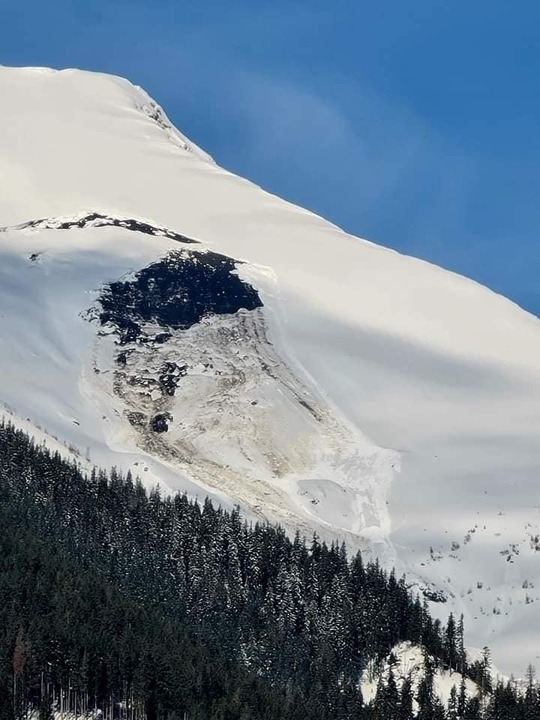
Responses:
[424,385]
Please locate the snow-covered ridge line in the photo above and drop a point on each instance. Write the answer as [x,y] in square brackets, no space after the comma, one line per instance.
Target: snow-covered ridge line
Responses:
[141,102]
[99,220]
[156,113]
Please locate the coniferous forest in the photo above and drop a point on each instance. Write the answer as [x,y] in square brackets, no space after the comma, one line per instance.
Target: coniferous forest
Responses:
[119,603]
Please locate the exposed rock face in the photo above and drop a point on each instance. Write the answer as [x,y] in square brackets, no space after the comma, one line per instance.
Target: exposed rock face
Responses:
[175,292]
[98,220]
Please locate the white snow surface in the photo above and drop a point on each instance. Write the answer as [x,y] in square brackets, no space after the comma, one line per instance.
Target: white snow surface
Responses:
[409,665]
[417,437]
[408,662]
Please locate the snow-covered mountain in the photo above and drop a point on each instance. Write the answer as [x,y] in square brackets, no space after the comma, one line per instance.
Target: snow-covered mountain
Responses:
[160,314]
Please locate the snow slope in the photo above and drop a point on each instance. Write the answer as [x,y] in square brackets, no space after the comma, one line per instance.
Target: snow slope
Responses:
[372,397]
[409,663]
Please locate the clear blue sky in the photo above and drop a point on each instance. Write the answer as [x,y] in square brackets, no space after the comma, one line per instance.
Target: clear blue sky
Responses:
[414,124]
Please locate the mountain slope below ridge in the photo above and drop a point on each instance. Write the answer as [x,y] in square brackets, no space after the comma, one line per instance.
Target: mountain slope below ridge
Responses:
[372,396]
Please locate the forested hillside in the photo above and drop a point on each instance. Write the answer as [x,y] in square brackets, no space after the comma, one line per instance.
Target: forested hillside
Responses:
[142,606]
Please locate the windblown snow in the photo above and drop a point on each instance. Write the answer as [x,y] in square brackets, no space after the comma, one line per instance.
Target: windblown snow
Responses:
[315,378]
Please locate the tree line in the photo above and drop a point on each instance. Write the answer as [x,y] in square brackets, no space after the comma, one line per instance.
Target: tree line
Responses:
[117,603]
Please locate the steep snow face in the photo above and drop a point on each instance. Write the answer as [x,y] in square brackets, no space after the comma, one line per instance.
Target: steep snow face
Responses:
[367,395]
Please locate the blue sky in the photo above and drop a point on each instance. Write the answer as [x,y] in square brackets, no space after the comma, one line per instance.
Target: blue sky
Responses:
[413,124]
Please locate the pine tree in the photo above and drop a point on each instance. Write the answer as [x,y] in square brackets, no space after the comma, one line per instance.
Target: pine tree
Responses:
[406,700]
[21,654]
[472,709]
[387,698]
[453,711]
[460,645]
[462,698]
[531,700]
[450,643]
[425,696]
[46,709]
